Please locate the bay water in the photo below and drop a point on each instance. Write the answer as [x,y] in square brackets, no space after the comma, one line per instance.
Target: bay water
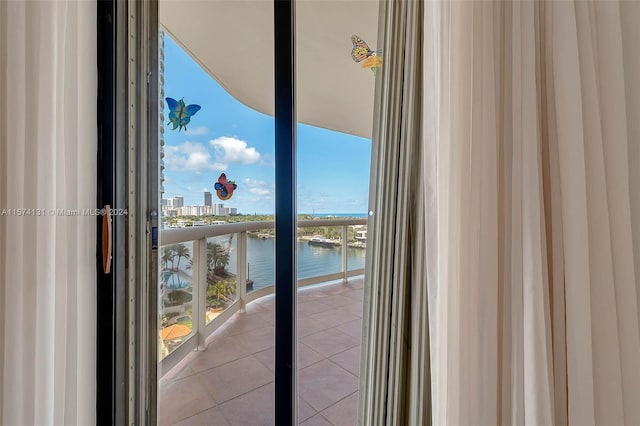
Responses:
[313,261]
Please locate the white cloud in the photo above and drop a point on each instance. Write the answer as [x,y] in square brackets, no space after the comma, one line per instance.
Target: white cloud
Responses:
[190,157]
[197,131]
[254,182]
[259,191]
[232,150]
[257,187]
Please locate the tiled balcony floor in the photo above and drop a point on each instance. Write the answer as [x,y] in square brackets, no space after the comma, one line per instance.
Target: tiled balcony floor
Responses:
[231,383]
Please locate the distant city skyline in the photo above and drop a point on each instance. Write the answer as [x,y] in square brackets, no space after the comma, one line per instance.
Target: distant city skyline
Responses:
[174,206]
[227,136]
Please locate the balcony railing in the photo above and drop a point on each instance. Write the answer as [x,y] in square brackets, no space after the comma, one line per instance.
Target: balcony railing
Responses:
[203,323]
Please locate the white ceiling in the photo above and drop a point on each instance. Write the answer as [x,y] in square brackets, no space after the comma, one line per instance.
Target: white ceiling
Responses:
[233,42]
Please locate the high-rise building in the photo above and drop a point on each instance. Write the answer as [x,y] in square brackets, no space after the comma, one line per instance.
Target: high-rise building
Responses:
[207,199]
[178,201]
[191,210]
[217,209]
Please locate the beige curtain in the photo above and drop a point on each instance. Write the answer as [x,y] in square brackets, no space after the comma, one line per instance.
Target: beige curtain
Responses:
[506,189]
[47,261]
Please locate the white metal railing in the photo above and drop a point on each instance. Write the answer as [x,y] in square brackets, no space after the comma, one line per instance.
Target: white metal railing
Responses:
[198,235]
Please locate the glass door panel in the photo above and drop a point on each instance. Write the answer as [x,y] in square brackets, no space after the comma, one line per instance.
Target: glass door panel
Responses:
[216,333]
[337,62]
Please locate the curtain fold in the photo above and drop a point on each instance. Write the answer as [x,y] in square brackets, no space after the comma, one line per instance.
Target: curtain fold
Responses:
[519,221]
[390,392]
[630,13]
[47,163]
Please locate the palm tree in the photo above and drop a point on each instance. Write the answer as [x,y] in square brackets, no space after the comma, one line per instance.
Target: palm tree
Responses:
[219,293]
[217,257]
[166,257]
[182,252]
[169,255]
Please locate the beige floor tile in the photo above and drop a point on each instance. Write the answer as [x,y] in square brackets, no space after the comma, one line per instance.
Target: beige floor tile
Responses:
[352,328]
[305,410]
[220,352]
[268,316]
[335,301]
[324,383]
[312,307]
[349,360]
[247,322]
[236,370]
[330,342]
[265,301]
[357,284]
[334,289]
[266,357]
[181,399]
[344,412]
[257,340]
[211,417]
[307,356]
[186,371]
[236,378]
[334,317]
[254,408]
[316,420]
[308,325]
[254,308]
[354,308]
[356,294]
[311,292]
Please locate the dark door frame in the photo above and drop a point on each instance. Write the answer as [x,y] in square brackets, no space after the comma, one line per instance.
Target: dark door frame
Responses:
[111,303]
[286,214]
[113,331]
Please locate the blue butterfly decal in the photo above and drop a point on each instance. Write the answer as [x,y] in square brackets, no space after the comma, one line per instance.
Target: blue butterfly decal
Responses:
[224,188]
[180,114]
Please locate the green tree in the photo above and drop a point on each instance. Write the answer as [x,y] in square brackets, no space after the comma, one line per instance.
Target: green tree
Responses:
[168,255]
[182,252]
[179,297]
[220,293]
[217,257]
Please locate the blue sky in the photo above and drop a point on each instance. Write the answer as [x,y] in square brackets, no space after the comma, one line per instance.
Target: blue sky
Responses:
[227,136]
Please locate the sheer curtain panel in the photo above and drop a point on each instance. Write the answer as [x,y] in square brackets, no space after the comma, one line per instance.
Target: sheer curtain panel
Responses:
[47,260]
[510,138]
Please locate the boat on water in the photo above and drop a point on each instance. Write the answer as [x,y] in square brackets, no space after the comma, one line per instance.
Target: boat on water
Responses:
[323,242]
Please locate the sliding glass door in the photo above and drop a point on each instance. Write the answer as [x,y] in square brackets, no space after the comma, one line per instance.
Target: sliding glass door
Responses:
[242,233]
[217,248]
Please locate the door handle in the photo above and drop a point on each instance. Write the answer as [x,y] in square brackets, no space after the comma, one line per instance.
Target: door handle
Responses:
[106,239]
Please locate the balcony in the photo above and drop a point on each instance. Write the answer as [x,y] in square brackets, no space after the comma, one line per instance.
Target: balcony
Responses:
[221,372]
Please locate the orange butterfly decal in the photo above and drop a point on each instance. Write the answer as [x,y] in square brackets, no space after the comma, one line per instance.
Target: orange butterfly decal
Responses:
[361,52]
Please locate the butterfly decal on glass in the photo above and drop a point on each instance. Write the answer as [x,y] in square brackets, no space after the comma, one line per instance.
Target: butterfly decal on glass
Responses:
[361,52]
[180,114]
[224,188]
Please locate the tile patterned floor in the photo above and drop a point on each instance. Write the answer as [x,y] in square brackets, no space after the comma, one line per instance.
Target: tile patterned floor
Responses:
[231,383]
